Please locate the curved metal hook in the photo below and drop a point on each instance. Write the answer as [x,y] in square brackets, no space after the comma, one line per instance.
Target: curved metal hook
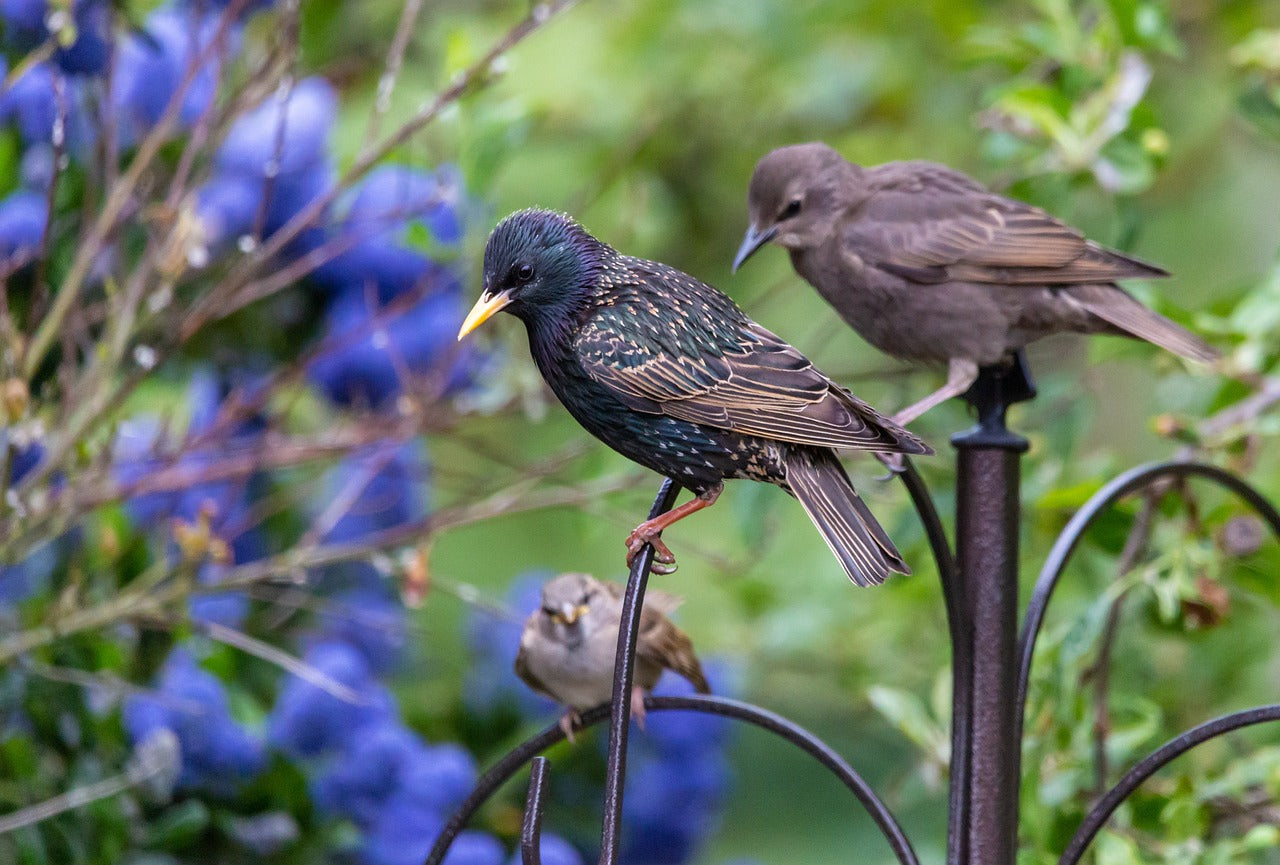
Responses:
[1152,763]
[623,674]
[513,760]
[961,631]
[1129,482]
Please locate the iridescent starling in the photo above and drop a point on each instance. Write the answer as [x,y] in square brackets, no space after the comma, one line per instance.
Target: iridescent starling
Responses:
[931,267]
[672,374]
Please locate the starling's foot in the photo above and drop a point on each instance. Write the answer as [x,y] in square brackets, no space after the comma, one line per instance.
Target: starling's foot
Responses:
[664,561]
[895,463]
[568,721]
[637,705]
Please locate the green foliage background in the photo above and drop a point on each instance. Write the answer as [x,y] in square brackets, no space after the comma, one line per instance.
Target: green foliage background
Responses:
[644,120]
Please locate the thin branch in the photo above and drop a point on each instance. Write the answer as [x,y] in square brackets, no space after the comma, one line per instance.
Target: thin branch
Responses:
[156,756]
[213,306]
[282,659]
[391,71]
[1099,672]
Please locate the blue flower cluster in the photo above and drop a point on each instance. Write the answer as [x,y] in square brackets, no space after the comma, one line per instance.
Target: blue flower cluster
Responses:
[18,582]
[677,778]
[171,49]
[393,308]
[217,752]
[221,507]
[678,773]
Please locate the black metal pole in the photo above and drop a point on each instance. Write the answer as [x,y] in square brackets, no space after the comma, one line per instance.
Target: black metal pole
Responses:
[624,673]
[987,521]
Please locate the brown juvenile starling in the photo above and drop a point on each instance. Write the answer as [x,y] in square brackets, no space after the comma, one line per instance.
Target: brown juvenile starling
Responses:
[569,644]
[931,267]
[672,374]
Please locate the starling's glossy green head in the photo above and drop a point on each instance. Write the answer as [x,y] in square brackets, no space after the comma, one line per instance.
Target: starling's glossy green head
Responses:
[538,265]
[795,197]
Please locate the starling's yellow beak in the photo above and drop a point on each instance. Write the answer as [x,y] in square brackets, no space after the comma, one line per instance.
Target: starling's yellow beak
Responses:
[485,307]
[754,240]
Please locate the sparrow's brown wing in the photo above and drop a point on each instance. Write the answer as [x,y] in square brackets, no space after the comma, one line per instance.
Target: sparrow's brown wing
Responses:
[522,662]
[928,223]
[721,369]
[660,641]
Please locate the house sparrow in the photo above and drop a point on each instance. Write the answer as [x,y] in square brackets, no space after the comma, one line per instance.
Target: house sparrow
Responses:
[568,647]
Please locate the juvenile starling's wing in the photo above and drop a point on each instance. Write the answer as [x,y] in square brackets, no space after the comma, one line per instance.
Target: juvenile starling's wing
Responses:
[928,223]
[660,641]
[678,347]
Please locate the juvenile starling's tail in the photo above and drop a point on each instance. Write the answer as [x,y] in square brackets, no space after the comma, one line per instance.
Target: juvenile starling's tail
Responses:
[819,482]
[1116,307]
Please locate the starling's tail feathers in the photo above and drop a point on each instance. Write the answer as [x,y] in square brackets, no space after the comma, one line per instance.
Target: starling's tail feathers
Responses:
[1118,308]
[819,482]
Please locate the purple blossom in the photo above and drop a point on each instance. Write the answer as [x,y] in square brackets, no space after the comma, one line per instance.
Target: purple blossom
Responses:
[217,753]
[296,132]
[307,720]
[22,222]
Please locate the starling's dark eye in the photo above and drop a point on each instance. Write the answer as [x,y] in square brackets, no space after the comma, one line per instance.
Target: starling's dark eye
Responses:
[524,273]
[792,208]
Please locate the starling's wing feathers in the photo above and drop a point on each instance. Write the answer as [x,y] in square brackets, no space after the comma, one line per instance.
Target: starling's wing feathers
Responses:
[712,365]
[865,551]
[923,223]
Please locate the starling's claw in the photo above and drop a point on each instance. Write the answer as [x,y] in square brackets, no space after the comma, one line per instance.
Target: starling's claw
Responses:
[664,561]
[895,463]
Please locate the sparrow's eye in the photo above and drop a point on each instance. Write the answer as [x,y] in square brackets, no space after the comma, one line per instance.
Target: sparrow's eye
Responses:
[792,208]
[550,611]
[524,273]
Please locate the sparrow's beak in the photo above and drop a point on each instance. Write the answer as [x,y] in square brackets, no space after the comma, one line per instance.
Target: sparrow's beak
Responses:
[569,613]
[754,240]
[484,309]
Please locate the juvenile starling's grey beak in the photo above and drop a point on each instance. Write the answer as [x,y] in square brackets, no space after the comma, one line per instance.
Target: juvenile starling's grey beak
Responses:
[485,307]
[754,240]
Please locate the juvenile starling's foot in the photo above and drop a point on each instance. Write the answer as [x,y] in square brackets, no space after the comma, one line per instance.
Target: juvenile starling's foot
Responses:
[637,705]
[568,721]
[895,463]
[664,561]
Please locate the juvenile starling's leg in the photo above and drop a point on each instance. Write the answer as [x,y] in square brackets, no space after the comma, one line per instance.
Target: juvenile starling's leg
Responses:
[568,721]
[637,705]
[961,374]
[649,531]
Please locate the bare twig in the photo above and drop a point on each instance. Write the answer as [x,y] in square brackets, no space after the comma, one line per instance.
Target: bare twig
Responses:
[391,70]
[283,660]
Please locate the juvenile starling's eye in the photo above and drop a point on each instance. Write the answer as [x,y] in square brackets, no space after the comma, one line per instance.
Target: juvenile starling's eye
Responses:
[524,273]
[792,208]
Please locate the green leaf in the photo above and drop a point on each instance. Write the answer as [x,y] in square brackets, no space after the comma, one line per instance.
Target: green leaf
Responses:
[179,826]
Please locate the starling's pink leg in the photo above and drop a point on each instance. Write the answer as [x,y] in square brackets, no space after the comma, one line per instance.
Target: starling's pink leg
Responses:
[961,374]
[649,531]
